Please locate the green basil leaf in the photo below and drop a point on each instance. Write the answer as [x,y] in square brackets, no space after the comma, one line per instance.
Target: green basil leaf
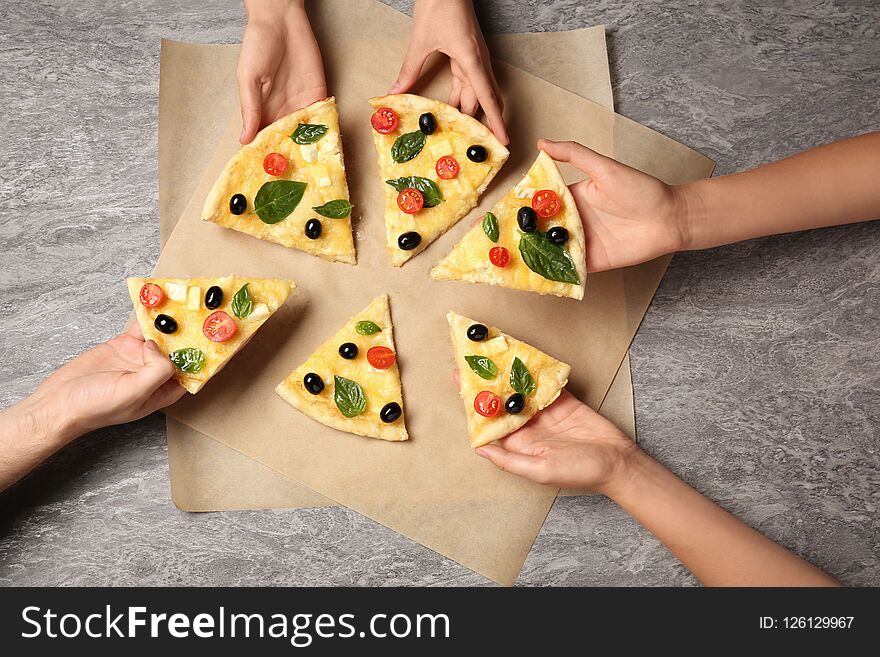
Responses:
[520,378]
[483,367]
[242,304]
[426,186]
[189,360]
[308,133]
[334,209]
[407,146]
[366,327]
[349,396]
[490,226]
[277,199]
[547,259]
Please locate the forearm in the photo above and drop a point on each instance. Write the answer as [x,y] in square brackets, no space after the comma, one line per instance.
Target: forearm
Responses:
[30,432]
[826,186]
[716,547]
[270,9]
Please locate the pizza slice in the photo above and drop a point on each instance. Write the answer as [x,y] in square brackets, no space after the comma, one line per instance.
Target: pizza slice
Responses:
[533,239]
[435,162]
[200,323]
[351,382]
[502,381]
[288,186]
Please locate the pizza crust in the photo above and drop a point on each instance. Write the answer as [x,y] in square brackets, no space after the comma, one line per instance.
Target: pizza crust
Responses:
[324,178]
[269,291]
[379,386]
[550,376]
[468,260]
[455,132]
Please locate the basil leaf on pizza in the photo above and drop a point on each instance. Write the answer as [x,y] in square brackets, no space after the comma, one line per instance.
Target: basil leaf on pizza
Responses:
[490,226]
[483,367]
[547,259]
[336,209]
[426,186]
[407,146]
[349,396]
[189,359]
[366,327]
[308,133]
[242,303]
[276,199]
[520,378]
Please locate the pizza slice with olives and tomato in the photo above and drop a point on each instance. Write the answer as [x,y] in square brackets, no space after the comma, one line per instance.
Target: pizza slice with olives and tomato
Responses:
[503,382]
[288,186]
[435,162]
[200,323]
[533,239]
[352,382]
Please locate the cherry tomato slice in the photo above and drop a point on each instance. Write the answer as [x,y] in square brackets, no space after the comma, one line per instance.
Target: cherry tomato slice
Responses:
[151,295]
[499,256]
[381,357]
[447,167]
[275,164]
[410,200]
[219,326]
[546,203]
[487,403]
[384,120]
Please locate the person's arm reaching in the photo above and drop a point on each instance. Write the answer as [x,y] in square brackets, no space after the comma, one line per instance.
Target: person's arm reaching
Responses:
[570,445]
[451,27]
[118,381]
[631,217]
[280,67]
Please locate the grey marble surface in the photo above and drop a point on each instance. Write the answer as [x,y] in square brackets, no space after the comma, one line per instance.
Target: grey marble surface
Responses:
[755,370]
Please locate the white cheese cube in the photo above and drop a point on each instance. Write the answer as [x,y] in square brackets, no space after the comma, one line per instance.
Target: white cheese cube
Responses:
[260,311]
[309,152]
[327,143]
[495,345]
[194,297]
[324,181]
[176,291]
[439,147]
[524,189]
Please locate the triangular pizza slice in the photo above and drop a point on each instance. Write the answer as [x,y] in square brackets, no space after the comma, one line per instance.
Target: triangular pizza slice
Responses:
[503,382]
[288,186]
[434,162]
[200,323]
[352,382]
[533,239]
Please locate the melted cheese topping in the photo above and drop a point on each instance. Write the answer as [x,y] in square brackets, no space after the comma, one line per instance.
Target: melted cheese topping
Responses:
[455,132]
[190,314]
[469,259]
[549,374]
[380,386]
[319,165]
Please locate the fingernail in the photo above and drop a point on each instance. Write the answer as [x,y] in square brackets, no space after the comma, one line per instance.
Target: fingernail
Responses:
[243,133]
[395,88]
[482,453]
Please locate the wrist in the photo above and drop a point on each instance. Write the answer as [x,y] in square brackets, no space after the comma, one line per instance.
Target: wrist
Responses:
[258,10]
[42,418]
[633,465]
[689,214]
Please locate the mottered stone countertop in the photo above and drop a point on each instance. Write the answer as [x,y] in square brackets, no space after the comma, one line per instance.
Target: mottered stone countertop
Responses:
[756,368]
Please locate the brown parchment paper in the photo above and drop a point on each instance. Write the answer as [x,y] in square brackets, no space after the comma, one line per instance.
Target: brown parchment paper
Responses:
[432,488]
[197,92]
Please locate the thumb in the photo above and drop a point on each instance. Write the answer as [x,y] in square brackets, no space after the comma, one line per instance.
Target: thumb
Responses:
[523,465]
[249,98]
[409,70]
[157,368]
[589,161]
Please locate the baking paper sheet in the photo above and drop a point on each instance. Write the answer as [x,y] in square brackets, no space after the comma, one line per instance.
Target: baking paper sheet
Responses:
[198,79]
[432,489]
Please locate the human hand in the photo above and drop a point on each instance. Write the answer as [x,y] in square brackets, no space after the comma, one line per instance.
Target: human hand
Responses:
[118,381]
[280,68]
[629,216]
[569,445]
[451,27]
